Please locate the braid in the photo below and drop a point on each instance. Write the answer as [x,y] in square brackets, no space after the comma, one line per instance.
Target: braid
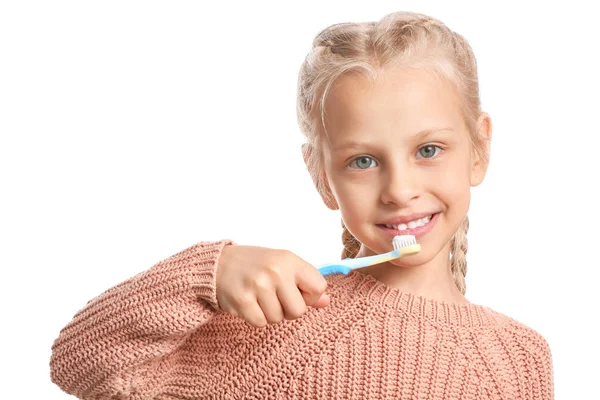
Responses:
[458,253]
[351,244]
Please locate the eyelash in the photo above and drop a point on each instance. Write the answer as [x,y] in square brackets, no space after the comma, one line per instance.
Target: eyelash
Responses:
[427,145]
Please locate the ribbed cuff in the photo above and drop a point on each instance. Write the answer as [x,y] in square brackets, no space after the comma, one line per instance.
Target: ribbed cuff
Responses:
[204,269]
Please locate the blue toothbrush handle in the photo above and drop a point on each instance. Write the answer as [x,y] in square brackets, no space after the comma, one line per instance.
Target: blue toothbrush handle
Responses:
[334,269]
[329,269]
[348,264]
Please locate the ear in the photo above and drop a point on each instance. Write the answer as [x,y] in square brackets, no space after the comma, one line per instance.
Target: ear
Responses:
[484,136]
[319,176]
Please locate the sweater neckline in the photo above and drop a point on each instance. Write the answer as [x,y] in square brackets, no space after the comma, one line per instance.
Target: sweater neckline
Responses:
[359,284]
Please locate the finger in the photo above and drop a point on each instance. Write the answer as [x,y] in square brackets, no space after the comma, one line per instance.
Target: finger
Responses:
[292,301]
[311,283]
[323,301]
[253,314]
[270,306]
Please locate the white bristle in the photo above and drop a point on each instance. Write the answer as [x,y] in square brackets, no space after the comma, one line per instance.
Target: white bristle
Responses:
[401,241]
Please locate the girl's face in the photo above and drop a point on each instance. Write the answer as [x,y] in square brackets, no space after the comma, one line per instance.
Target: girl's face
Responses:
[396,147]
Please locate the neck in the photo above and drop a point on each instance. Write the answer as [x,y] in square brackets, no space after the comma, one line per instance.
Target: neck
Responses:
[432,279]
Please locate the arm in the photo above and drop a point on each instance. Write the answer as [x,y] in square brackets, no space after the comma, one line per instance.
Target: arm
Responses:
[542,370]
[122,333]
[533,358]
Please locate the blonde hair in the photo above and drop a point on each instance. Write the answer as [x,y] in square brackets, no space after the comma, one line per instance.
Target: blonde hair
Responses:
[404,39]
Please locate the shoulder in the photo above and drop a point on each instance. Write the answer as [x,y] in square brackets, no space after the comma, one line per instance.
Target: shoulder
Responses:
[530,340]
[514,335]
[521,339]
[519,358]
[532,358]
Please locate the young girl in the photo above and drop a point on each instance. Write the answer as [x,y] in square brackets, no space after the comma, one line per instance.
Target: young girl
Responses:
[395,140]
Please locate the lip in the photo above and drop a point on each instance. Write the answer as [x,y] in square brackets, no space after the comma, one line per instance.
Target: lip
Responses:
[416,232]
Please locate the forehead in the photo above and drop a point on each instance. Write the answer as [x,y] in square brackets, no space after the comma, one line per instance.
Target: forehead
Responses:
[398,101]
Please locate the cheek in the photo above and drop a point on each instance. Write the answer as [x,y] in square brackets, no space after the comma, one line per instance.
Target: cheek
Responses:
[355,200]
[453,185]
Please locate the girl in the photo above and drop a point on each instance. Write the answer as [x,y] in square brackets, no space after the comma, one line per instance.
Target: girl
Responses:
[395,140]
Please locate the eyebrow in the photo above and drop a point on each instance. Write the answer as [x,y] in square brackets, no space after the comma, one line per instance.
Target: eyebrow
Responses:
[417,136]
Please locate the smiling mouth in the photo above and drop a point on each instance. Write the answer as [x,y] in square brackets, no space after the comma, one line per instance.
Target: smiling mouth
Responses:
[410,225]
[416,228]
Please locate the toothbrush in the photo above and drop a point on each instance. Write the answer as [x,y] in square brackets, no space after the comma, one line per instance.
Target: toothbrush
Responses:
[403,245]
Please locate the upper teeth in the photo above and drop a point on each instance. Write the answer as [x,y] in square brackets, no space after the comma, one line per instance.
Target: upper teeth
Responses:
[411,224]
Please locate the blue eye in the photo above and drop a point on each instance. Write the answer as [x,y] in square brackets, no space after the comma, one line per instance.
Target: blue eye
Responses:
[361,162]
[429,151]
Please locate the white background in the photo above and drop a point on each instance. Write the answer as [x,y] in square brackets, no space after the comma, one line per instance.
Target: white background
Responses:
[132,130]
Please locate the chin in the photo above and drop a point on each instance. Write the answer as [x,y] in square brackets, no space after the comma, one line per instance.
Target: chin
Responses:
[429,251]
[413,260]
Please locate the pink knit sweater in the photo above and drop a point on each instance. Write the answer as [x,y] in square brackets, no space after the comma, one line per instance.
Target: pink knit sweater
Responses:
[160,335]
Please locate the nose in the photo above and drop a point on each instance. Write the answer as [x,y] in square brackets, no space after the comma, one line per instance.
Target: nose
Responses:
[400,186]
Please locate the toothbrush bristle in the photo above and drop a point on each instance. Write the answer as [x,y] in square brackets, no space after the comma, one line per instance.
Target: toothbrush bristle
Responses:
[401,241]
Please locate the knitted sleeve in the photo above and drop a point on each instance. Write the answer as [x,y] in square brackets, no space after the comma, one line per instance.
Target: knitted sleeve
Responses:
[531,356]
[131,326]
[542,369]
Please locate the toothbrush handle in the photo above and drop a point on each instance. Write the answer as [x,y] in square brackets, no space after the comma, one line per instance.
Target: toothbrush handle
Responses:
[334,269]
[348,264]
[339,267]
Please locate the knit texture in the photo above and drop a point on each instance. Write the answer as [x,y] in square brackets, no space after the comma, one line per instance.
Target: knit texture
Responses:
[161,335]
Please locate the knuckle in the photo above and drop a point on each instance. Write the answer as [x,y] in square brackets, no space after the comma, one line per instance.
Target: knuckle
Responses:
[262,284]
[268,279]
[273,271]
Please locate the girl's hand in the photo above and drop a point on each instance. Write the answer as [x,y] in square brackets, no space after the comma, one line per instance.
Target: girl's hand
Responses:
[263,285]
